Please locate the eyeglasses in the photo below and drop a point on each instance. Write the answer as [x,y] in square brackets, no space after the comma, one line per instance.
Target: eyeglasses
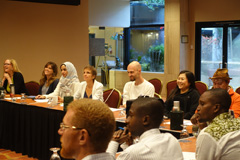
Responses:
[63,127]
[6,64]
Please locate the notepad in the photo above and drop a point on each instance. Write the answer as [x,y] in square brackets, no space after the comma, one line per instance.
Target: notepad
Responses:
[188,155]
[41,100]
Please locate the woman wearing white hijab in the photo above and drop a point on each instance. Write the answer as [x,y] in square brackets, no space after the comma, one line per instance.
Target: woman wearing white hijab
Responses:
[68,83]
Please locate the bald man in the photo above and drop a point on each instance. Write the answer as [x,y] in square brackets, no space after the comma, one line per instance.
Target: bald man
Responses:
[137,86]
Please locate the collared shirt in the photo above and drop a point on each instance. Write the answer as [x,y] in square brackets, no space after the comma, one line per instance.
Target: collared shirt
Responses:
[152,145]
[99,156]
[220,140]
[235,105]
[132,91]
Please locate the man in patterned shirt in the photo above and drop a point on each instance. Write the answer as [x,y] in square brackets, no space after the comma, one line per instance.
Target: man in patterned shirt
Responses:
[86,130]
[220,140]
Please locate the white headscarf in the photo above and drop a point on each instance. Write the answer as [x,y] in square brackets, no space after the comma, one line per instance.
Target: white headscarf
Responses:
[66,82]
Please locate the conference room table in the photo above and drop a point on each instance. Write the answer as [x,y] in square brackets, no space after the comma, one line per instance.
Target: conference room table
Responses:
[32,128]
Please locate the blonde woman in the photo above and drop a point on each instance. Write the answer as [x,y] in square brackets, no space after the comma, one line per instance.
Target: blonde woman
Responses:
[12,75]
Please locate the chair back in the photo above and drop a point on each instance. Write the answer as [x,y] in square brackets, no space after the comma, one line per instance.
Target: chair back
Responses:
[32,87]
[201,87]
[238,90]
[170,86]
[157,96]
[112,97]
[157,83]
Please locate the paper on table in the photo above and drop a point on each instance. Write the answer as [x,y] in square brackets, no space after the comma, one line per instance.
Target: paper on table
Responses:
[41,100]
[186,122]
[116,109]
[11,98]
[188,155]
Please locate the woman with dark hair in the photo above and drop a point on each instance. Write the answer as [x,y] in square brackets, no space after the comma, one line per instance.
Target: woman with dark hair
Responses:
[186,93]
[68,83]
[90,88]
[48,81]
[12,75]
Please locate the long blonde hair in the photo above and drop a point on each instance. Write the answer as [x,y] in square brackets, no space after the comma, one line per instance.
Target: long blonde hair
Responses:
[14,64]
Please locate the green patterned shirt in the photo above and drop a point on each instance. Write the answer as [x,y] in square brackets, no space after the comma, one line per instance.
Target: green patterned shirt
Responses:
[222,125]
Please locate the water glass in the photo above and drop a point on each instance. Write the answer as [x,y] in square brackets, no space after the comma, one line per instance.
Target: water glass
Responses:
[195,130]
[23,99]
[184,133]
[55,155]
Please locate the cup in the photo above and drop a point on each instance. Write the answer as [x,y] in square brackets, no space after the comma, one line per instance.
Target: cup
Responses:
[53,100]
[66,101]
[12,91]
[23,99]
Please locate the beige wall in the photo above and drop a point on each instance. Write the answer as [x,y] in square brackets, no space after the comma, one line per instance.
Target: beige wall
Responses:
[35,33]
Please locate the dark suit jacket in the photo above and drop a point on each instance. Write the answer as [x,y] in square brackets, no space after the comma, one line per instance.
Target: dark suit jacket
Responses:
[51,88]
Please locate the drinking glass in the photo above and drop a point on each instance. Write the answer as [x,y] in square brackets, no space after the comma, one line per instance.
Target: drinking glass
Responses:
[12,92]
[55,155]
[23,98]
[2,94]
[122,113]
[184,133]
[50,99]
[195,130]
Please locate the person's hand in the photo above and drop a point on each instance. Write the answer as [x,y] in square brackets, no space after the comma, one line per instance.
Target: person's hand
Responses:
[122,106]
[194,119]
[7,76]
[3,80]
[121,136]
[40,97]
[60,99]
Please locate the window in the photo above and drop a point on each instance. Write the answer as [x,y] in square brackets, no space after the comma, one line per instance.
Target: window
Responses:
[145,38]
[217,46]
[147,47]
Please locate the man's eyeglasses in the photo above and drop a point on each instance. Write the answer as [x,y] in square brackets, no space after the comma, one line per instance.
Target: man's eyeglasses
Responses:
[63,127]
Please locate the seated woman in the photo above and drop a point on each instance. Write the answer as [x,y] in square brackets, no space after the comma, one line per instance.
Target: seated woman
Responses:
[12,75]
[90,88]
[186,93]
[49,80]
[68,83]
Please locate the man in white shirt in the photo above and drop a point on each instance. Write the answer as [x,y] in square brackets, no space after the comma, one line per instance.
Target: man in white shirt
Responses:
[137,86]
[86,130]
[143,121]
[220,140]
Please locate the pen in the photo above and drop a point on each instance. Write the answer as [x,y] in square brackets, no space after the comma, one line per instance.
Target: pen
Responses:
[121,128]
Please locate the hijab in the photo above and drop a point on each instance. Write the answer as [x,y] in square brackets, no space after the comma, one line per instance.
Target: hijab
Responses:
[67,82]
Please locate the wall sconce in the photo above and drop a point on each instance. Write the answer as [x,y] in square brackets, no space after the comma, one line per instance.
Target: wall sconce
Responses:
[184,39]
